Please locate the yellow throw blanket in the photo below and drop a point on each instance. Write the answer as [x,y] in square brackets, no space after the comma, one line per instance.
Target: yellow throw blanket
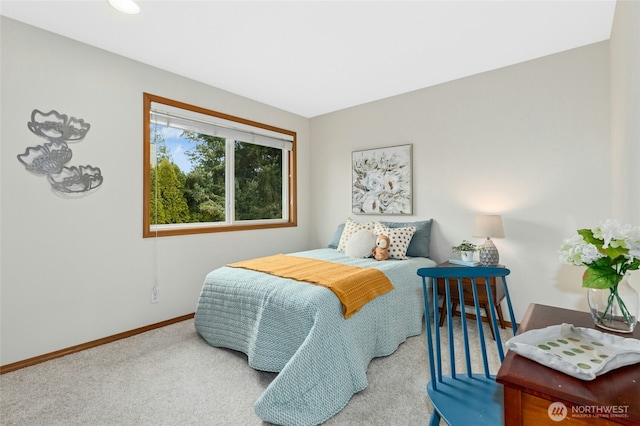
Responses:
[354,286]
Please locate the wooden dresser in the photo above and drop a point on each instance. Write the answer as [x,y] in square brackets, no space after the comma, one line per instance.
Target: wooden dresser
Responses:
[538,395]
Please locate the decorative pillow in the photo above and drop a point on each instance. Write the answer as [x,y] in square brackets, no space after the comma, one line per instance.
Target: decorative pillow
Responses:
[336,237]
[350,228]
[400,239]
[360,244]
[419,245]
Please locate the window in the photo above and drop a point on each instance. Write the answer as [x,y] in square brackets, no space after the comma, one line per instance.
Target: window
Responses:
[205,171]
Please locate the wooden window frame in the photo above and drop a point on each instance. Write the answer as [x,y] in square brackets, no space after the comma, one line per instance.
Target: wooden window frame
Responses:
[202,228]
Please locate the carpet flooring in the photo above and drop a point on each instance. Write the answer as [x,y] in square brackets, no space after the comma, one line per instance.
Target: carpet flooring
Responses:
[171,376]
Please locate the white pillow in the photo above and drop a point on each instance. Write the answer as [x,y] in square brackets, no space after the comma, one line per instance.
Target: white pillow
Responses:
[400,239]
[360,244]
[350,228]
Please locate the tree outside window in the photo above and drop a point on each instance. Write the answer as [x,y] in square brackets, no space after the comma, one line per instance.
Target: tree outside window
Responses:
[207,173]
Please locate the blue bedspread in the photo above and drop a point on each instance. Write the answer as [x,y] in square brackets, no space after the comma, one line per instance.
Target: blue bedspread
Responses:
[298,330]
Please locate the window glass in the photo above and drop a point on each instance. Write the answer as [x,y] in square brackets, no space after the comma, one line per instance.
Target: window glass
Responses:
[258,182]
[210,172]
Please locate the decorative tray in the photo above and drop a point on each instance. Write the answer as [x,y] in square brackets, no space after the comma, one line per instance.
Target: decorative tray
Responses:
[580,352]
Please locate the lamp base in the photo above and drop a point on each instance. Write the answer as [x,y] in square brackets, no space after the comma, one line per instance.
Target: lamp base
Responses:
[489,253]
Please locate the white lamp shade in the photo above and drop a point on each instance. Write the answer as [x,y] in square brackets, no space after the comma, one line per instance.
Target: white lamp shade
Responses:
[487,226]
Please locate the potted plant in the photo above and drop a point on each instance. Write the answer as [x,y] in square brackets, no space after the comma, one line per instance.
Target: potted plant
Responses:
[609,252]
[466,249]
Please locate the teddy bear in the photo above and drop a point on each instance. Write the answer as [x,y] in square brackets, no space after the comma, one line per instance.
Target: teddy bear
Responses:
[381,250]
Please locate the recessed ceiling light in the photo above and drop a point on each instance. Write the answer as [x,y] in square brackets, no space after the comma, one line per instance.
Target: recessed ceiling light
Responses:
[125,6]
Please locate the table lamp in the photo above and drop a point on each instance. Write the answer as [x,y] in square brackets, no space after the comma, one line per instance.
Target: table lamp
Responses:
[487,226]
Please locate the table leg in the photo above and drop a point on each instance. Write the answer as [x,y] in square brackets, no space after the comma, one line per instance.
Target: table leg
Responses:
[489,319]
[500,316]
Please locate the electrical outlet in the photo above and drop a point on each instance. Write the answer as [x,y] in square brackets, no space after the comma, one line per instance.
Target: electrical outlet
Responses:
[155,295]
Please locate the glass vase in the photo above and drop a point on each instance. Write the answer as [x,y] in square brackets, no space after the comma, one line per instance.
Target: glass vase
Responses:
[615,308]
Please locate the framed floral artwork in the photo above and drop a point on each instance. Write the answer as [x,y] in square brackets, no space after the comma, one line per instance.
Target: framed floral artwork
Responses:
[382,182]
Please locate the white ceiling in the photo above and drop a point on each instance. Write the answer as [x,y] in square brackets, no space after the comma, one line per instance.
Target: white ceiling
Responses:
[315,57]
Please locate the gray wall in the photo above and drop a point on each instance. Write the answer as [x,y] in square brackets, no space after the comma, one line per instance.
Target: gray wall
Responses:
[75,270]
[530,142]
[625,110]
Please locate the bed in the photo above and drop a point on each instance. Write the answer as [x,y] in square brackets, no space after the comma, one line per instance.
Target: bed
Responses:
[299,330]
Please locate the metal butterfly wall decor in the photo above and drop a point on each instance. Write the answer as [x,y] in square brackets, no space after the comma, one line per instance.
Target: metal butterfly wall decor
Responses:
[50,159]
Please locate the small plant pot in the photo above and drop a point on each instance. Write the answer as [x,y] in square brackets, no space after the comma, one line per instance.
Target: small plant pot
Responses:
[467,256]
